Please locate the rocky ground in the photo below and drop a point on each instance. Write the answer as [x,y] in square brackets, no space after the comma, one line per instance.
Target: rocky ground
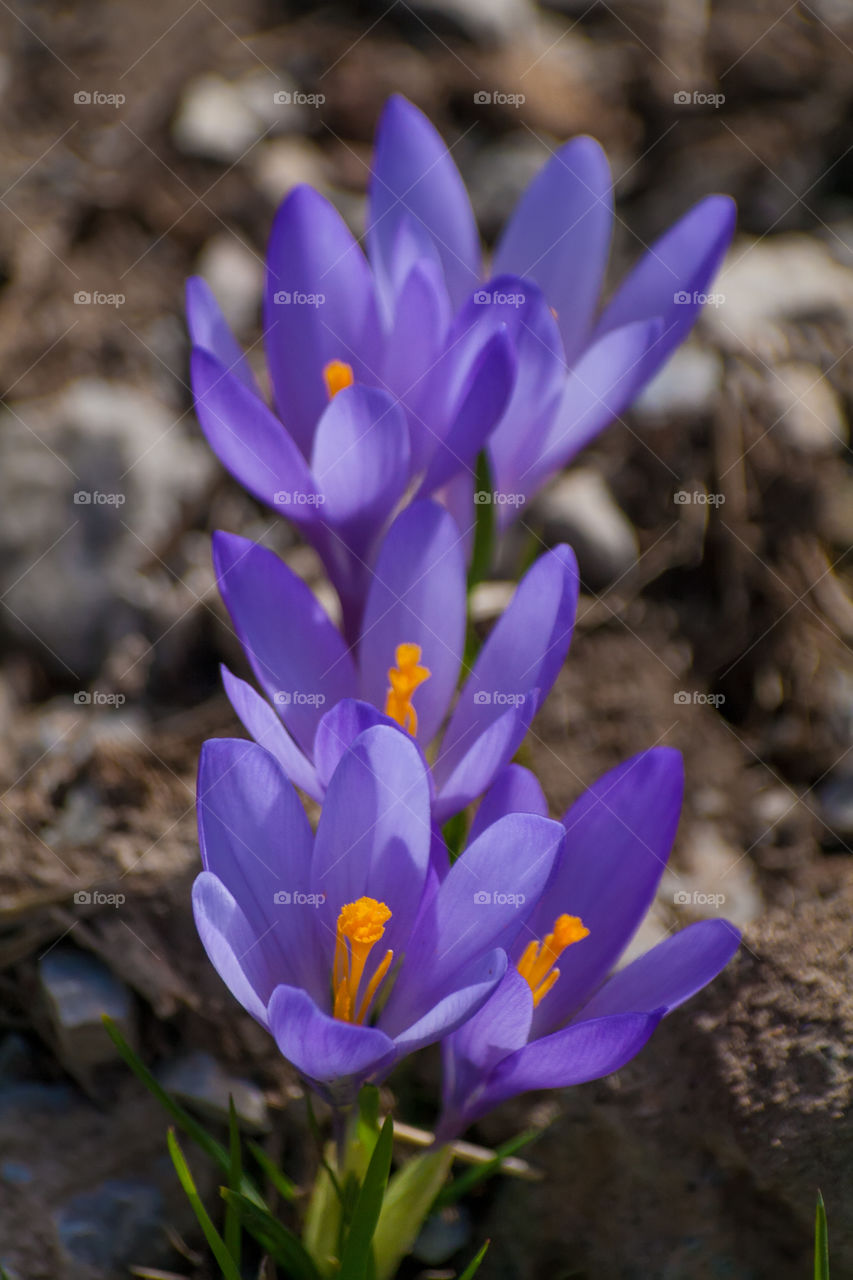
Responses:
[143,143]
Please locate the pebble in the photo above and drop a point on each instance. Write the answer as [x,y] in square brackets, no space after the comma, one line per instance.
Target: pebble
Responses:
[807,411]
[442,1235]
[483,22]
[579,509]
[713,879]
[689,383]
[835,798]
[78,989]
[118,1224]
[198,1079]
[281,164]
[235,273]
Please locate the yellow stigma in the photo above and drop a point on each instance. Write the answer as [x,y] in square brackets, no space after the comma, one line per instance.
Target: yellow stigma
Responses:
[405,678]
[360,925]
[337,374]
[536,966]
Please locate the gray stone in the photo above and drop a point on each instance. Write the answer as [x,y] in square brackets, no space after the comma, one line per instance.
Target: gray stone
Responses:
[442,1235]
[689,383]
[835,798]
[579,509]
[115,1225]
[282,163]
[235,273]
[480,21]
[78,989]
[807,411]
[712,879]
[198,1080]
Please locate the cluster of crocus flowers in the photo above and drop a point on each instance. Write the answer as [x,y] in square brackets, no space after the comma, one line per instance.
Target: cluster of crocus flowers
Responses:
[366,940]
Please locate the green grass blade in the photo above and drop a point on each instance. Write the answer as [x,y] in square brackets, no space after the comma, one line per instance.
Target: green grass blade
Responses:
[286,1189]
[187,1123]
[484,527]
[356,1257]
[274,1237]
[474,1264]
[227,1266]
[821,1242]
[232,1230]
[479,1173]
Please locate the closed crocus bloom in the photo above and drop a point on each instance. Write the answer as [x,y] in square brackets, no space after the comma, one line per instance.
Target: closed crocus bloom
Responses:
[561,1016]
[342,944]
[405,668]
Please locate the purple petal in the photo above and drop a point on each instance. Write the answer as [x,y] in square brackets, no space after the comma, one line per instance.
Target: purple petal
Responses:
[453,1009]
[514,790]
[414,175]
[338,1055]
[233,948]
[360,461]
[482,755]
[618,837]
[521,658]
[501,1027]
[417,596]
[669,974]
[298,656]
[312,254]
[256,839]
[682,262]
[598,389]
[338,730]
[373,837]
[209,331]
[481,904]
[259,719]
[249,440]
[559,236]
[482,400]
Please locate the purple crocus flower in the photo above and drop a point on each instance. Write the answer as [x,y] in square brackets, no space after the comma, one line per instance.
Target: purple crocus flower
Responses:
[530,363]
[342,944]
[405,667]
[560,1016]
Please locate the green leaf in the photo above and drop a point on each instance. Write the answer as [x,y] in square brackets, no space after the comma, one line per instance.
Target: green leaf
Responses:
[410,1195]
[484,527]
[232,1229]
[454,832]
[479,1173]
[356,1257]
[182,1118]
[821,1242]
[218,1248]
[274,1237]
[474,1264]
[286,1189]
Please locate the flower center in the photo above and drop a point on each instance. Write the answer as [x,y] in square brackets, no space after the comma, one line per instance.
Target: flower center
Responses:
[337,374]
[536,965]
[405,678]
[360,925]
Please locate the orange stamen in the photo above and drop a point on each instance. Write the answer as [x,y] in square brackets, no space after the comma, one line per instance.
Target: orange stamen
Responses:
[337,374]
[536,965]
[360,926]
[404,680]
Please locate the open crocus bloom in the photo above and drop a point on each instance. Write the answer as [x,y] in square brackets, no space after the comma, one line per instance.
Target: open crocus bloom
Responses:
[560,1016]
[343,945]
[427,365]
[406,666]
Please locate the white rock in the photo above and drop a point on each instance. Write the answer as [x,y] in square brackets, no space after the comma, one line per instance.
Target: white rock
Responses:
[282,163]
[712,880]
[235,273]
[578,508]
[688,383]
[214,120]
[807,411]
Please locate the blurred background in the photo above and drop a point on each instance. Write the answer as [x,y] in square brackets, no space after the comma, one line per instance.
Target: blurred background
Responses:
[142,143]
